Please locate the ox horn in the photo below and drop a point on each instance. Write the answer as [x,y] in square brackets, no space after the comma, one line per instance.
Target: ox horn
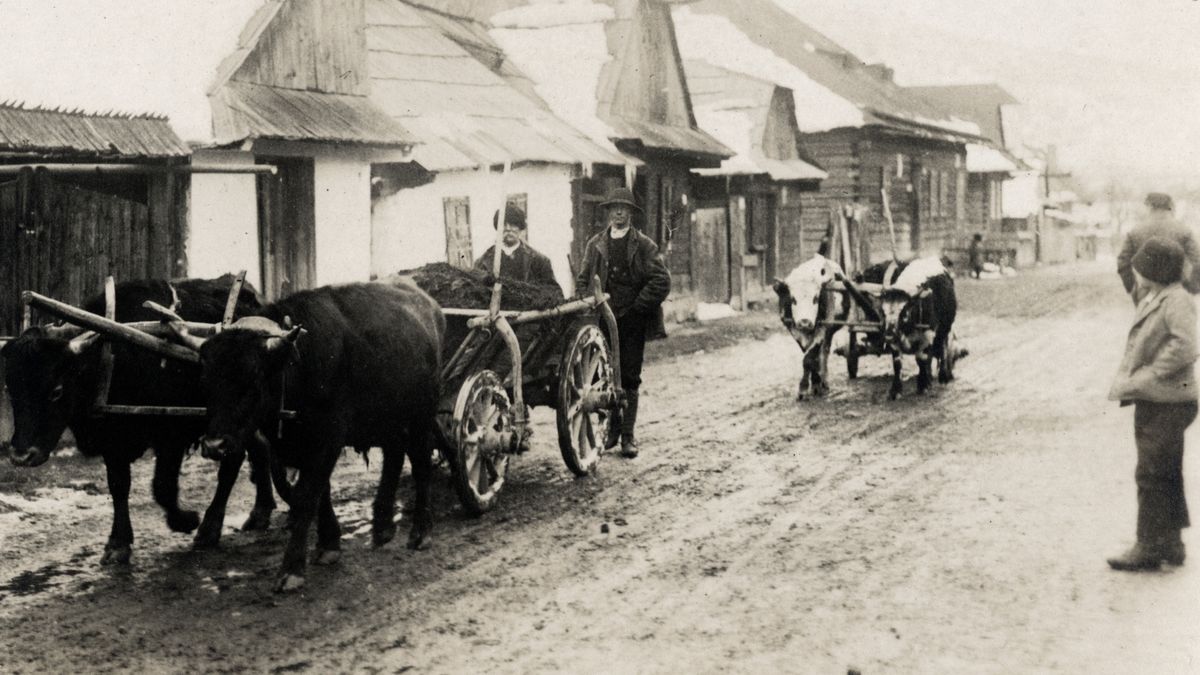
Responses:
[81,342]
[289,338]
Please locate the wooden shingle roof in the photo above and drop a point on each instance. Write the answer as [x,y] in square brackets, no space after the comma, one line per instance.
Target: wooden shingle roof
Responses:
[36,130]
[465,113]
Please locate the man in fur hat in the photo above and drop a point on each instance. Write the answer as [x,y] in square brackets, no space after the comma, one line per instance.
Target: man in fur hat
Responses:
[518,260]
[634,275]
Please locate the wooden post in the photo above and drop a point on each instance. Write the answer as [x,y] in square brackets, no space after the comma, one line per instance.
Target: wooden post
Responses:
[494,306]
[235,291]
[887,211]
[106,352]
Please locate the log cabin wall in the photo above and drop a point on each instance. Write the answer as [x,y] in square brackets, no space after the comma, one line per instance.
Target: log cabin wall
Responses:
[62,235]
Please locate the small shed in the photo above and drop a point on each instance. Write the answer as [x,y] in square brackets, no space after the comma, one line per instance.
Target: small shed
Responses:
[265,100]
[757,191]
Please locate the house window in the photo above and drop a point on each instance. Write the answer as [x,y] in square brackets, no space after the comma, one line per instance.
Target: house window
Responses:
[758,222]
[457,213]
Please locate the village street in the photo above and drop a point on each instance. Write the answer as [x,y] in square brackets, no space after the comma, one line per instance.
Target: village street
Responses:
[962,531]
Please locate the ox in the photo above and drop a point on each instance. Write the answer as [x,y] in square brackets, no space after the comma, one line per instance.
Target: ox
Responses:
[919,307]
[366,374]
[53,383]
[806,310]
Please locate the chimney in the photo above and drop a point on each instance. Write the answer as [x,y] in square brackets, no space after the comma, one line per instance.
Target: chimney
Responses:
[880,71]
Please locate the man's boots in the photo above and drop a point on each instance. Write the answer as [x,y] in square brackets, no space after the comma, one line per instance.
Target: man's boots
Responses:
[1142,556]
[614,430]
[629,446]
[1173,551]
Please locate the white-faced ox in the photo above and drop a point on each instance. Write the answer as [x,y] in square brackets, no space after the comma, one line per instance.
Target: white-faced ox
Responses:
[805,310]
[366,373]
[919,307]
[53,376]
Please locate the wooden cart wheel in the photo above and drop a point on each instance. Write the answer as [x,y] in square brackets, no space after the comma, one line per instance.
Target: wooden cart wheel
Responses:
[481,431]
[852,356]
[586,399]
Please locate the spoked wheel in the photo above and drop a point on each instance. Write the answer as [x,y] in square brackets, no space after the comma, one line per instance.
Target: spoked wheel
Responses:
[586,399]
[852,356]
[481,431]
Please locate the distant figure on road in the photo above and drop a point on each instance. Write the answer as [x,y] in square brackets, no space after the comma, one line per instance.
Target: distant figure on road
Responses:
[1160,222]
[518,260]
[1158,377]
[633,273]
[975,255]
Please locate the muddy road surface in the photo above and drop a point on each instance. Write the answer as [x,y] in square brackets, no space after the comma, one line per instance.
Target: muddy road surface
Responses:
[960,531]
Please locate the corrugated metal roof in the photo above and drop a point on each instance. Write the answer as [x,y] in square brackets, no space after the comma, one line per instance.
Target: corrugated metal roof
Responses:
[464,113]
[36,130]
[242,111]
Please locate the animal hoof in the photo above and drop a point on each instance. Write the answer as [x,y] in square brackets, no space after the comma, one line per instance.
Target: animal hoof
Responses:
[258,520]
[325,557]
[183,521]
[417,540]
[116,555]
[289,583]
[381,536]
[207,538]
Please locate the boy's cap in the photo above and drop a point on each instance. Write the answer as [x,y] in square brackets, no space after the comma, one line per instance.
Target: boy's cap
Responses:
[1159,260]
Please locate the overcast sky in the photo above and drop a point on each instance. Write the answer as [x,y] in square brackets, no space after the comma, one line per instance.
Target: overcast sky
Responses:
[1114,83]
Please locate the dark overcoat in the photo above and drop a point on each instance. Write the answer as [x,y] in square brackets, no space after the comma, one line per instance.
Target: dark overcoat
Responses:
[649,273]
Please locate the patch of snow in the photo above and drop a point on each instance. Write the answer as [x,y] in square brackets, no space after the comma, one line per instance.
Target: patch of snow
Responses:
[564,62]
[132,56]
[734,128]
[549,13]
[809,47]
[717,41]
[706,311]
[984,159]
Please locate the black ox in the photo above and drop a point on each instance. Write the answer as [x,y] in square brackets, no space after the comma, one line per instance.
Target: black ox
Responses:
[919,306]
[365,374]
[53,382]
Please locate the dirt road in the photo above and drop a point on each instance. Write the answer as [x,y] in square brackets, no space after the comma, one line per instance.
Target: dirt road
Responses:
[962,531]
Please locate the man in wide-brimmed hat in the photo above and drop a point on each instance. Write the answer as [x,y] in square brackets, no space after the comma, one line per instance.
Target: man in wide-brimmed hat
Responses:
[1159,221]
[634,275]
[518,260]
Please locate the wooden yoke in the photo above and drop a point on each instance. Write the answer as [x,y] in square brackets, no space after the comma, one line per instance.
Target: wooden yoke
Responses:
[106,353]
[861,300]
[109,328]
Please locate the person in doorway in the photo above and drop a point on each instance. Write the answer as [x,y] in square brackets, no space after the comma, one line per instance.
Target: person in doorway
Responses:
[975,256]
[1159,221]
[518,260]
[633,273]
[1157,376]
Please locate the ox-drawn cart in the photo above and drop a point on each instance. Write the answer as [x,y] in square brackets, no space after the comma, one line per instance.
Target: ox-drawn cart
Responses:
[491,377]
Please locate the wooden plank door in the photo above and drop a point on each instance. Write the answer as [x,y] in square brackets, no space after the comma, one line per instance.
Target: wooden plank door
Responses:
[61,239]
[710,255]
[287,227]
[457,213]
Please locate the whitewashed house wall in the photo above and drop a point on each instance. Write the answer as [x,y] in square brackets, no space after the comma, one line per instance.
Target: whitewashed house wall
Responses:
[409,228]
[222,236]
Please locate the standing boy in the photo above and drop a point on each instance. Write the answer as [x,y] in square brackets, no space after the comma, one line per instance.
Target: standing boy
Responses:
[1157,376]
